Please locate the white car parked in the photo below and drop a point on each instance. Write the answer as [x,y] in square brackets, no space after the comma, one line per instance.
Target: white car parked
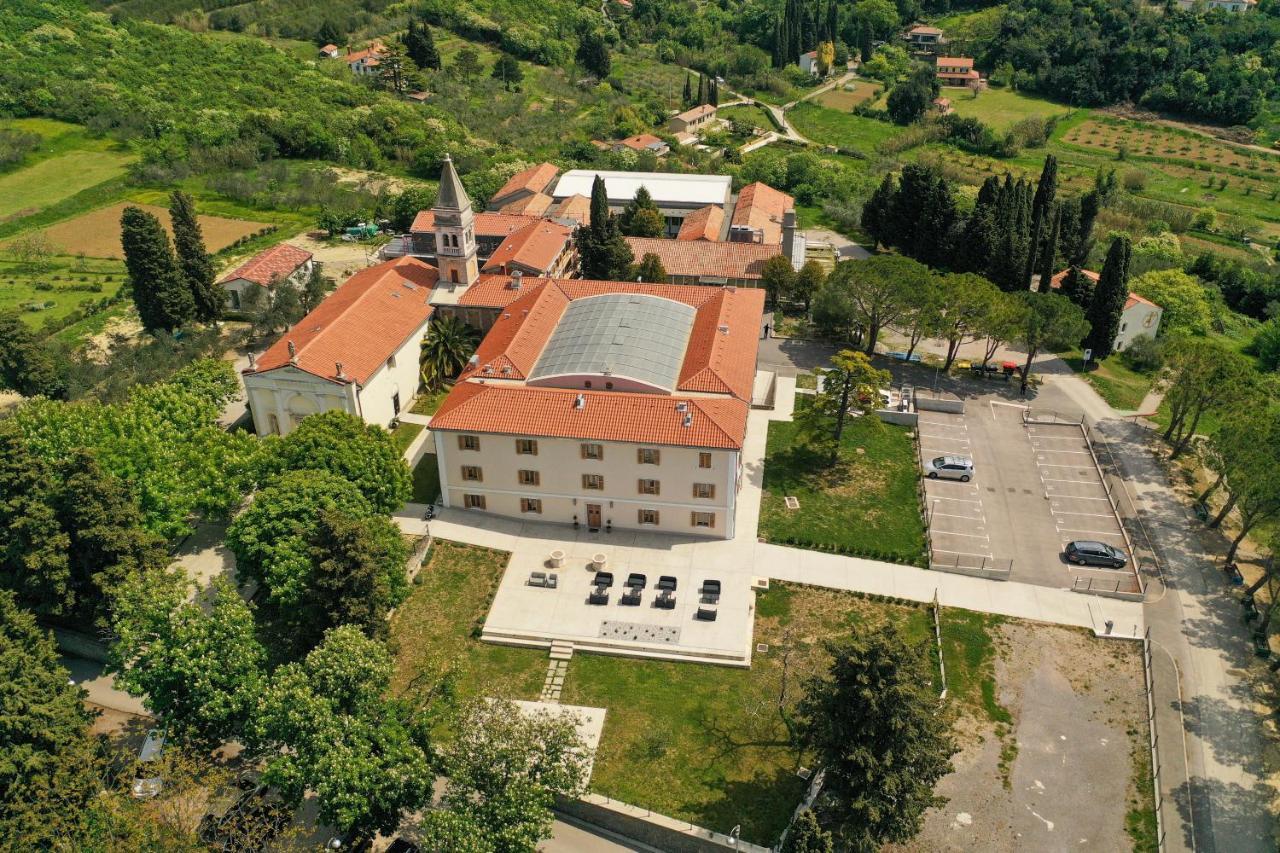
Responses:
[949,468]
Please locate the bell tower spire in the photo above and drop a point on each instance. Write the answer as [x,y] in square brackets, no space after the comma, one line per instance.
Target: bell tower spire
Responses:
[455,230]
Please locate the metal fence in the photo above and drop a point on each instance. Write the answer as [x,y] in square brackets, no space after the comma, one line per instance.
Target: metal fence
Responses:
[973,565]
[1050,416]
[1148,681]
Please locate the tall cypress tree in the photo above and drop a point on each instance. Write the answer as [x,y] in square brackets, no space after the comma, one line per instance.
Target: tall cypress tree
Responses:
[193,261]
[1108,300]
[688,91]
[713,94]
[163,298]
[601,247]
[1049,252]
[878,209]
[702,89]
[976,245]
[421,47]
[1077,287]
[833,25]
[1046,189]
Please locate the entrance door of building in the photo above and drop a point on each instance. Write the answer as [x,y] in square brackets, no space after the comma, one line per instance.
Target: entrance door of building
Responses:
[593,516]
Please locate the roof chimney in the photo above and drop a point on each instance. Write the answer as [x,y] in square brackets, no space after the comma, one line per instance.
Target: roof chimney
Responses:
[339,374]
[688,419]
[516,277]
[724,328]
[293,353]
[580,402]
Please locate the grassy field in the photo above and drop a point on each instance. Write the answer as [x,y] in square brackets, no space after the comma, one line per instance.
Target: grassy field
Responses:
[429,401]
[97,233]
[748,113]
[715,736]
[72,284]
[846,97]
[1121,386]
[832,127]
[78,164]
[426,480]
[435,629]
[1001,108]
[865,504]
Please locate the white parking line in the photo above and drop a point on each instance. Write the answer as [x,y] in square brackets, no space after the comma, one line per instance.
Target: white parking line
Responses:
[1050,450]
[1055,465]
[1090,532]
[965,517]
[1092,481]
[1074,438]
[958,500]
[1072,497]
[945,437]
[969,535]
[946,425]
[1089,514]
[963,553]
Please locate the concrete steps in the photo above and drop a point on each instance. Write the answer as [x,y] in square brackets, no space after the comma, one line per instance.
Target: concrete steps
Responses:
[607,647]
[561,650]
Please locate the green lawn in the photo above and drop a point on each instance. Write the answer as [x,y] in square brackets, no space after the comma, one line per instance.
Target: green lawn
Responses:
[72,284]
[846,130]
[748,113]
[1001,108]
[434,631]
[1122,387]
[807,381]
[866,504]
[404,434]
[429,401]
[426,480]
[33,188]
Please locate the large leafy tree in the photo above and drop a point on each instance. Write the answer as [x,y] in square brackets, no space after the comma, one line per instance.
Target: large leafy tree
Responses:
[881,290]
[198,665]
[1186,303]
[271,537]
[328,727]
[593,54]
[650,269]
[505,769]
[506,68]
[160,292]
[967,300]
[361,453]
[193,259]
[875,723]
[1004,319]
[1201,376]
[1048,320]
[27,365]
[851,384]
[807,836]
[777,277]
[809,280]
[49,774]
[641,216]
[446,347]
[1108,299]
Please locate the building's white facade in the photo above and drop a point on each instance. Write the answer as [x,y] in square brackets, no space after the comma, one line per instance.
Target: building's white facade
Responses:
[696,489]
[237,287]
[1139,318]
[279,399]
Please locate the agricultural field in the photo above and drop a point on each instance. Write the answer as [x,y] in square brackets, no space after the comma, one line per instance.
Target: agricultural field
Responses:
[66,161]
[748,113]
[848,96]
[1001,109]
[97,233]
[65,284]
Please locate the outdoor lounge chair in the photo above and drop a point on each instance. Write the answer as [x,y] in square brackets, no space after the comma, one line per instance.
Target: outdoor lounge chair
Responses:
[710,592]
[665,600]
[552,580]
[537,578]
[630,598]
[604,579]
[598,597]
[706,614]
[667,582]
[635,580]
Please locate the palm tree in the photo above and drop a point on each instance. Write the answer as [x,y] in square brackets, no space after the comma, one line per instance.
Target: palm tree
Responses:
[446,347]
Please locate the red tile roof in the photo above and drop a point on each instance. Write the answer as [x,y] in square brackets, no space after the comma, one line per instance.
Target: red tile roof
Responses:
[280,260]
[576,207]
[760,207]
[361,324]
[329,48]
[640,142]
[476,406]
[487,224]
[703,224]
[534,248]
[372,53]
[696,113]
[530,205]
[1134,299]
[1058,278]
[954,61]
[721,354]
[706,260]
[534,180]
[925,30]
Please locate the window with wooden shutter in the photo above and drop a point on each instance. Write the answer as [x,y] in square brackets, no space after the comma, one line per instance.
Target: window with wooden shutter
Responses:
[704,490]
[648,516]
[529,478]
[531,505]
[472,473]
[473,501]
[468,442]
[649,487]
[526,447]
[704,460]
[593,451]
[703,519]
[647,455]
[592,482]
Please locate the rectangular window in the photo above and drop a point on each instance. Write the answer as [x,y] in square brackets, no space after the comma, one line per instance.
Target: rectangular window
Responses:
[473,501]
[593,451]
[472,473]
[468,442]
[526,447]
[704,460]
[594,482]
[704,490]
[395,402]
[703,519]
[648,516]
[649,487]
[531,505]
[647,455]
[529,478]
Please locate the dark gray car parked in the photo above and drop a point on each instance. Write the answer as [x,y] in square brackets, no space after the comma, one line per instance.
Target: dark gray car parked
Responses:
[1084,552]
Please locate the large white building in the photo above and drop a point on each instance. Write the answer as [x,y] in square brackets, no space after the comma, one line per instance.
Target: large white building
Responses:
[357,351]
[676,195]
[603,404]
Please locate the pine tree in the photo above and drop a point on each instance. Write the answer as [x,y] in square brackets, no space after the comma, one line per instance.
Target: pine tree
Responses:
[163,298]
[641,217]
[650,269]
[1049,252]
[1041,205]
[877,210]
[193,261]
[1108,300]
[989,194]
[421,47]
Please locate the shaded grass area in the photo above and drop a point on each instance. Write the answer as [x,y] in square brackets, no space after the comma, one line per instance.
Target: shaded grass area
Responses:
[748,113]
[846,130]
[426,480]
[864,504]
[1140,820]
[1120,385]
[404,434]
[807,380]
[429,401]
[435,631]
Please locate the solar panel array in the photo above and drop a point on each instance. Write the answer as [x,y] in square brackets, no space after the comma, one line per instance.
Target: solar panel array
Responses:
[619,334]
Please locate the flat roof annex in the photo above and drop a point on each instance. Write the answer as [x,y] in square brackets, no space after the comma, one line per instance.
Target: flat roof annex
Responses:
[696,190]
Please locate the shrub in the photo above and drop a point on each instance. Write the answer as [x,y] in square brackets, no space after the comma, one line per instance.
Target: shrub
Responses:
[1143,355]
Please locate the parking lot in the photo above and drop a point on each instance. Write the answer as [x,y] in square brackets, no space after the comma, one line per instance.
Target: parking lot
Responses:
[1035,487]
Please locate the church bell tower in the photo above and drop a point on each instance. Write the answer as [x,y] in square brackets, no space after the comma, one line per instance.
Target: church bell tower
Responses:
[455,230]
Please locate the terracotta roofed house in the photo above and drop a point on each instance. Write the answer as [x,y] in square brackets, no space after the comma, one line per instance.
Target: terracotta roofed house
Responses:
[330,51]
[282,262]
[606,404]
[531,181]
[541,248]
[574,208]
[1139,317]
[706,223]
[698,262]
[366,61]
[758,214]
[924,37]
[955,70]
[643,142]
[357,351]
